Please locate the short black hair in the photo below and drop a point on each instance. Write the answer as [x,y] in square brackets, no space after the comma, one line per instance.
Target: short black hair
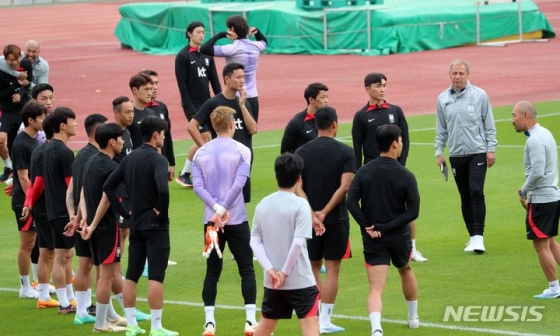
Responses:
[374,78]
[47,126]
[230,68]
[312,91]
[139,80]
[192,26]
[325,117]
[40,88]
[149,72]
[151,124]
[92,121]
[288,168]
[32,110]
[385,135]
[106,132]
[117,102]
[239,24]
[60,115]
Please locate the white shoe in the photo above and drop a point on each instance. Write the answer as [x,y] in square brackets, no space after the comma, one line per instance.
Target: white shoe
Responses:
[209,329]
[28,294]
[414,323]
[417,256]
[377,332]
[171,263]
[478,245]
[470,246]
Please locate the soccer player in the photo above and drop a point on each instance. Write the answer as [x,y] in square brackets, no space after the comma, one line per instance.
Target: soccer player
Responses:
[58,159]
[242,51]
[464,119]
[245,124]
[103,233]
[31,53]
[329,166]
[194,71]
[385,222]
[366,121]
[540,195]
[13,95]
[33,115]
[301,129]
[83,277]
[144,172]
[224,206]
[278,240]
[142,88]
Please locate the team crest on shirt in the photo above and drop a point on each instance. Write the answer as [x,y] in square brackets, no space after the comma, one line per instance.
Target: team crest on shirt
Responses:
[207,61]
[392,118]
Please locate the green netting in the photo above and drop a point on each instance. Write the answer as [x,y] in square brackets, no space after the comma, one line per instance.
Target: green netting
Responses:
[398,26]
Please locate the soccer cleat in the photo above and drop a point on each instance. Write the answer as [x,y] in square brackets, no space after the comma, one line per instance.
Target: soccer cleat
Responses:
[414,323]
[66,310]
[377,332]
[140,316]
[83,320]
[547,294]
[330,329]
[108,328]
[119,321]
[470,246]
[8,172]
[145,271]
[184,180]
[134,330]
[323,269]
[92,310]
[34,285]
[28,294]
[250,328]
[209,329]
[50,303]
[417,256]
[74,303]
[171,263]
[163,332]
[479,245]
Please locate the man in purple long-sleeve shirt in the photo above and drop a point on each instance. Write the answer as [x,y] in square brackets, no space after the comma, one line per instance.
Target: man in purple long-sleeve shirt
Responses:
[220,188]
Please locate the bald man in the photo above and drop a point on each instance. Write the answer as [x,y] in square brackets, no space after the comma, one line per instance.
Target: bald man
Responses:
[40,66]
[540,195]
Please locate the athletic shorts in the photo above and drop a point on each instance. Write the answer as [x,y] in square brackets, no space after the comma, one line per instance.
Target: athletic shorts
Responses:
[27,225]
[279,304]
[201,128]
[60,241]
[334,244]
[44,233]
[9,121]
[542,220]
[82,246]
[150,244]
[105,247]
[383,253]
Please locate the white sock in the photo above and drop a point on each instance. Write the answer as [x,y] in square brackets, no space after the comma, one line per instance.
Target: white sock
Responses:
[412,309]
[43,290]
[130,314]
[375,320]
[24,283]
[8,163]
[156,318]
[413,245]
[119,298]
[101,315]
[88,298]
[111,313]
[325,314]
[250,313]
[209,313]
[81,308]
[187,168]
[34,268]
[70,292]
[62,297]
[554,286]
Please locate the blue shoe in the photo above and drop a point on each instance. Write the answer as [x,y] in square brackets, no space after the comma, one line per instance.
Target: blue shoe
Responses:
[134,331]
[83,320]
[141,316]
[331,329]
[547,294]
[145,273]
[323,269]
[163,332]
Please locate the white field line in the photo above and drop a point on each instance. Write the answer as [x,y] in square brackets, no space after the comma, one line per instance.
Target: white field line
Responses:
[354,318]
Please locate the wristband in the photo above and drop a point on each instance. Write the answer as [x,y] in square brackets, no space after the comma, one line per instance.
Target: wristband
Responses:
[219,209]
[521,193]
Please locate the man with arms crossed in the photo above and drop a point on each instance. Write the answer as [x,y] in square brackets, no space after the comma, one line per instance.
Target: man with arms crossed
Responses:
[385,222]
[278,240]
[329,166]
[540,195]
[464,119]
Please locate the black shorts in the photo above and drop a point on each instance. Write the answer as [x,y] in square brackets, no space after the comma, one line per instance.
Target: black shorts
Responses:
[334,244]
[82,246]
[383,253]
[150,244]
[44,233]
[60,241]
[125,223]
[26,226]
[105,247]
[279,304]
[201,128]
[9,121]
[542,220]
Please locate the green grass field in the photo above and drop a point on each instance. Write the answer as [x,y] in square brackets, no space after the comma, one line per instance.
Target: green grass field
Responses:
[508,274]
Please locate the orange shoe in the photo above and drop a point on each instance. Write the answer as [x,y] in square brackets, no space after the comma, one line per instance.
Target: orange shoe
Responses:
[34,285]
[50,303]
[74,303]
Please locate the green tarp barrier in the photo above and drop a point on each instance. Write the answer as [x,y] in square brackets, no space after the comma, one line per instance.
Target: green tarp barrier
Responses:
[398,26]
